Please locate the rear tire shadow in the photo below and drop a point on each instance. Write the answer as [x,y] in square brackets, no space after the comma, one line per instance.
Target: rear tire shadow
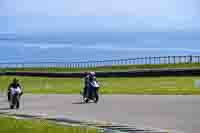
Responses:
[82,102]
[79,103]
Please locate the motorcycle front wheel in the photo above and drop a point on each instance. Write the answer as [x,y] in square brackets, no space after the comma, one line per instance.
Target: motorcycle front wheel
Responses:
[86,100]
[96,97]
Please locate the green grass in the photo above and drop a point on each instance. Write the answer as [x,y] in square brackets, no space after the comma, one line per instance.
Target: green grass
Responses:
[105,68]
[147,85]
[11,125]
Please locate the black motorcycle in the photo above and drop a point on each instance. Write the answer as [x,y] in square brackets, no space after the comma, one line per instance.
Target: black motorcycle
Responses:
[92,92]
[15,94]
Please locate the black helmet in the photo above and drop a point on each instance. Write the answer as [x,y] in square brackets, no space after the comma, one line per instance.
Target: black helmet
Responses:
[15,80]
[86,74]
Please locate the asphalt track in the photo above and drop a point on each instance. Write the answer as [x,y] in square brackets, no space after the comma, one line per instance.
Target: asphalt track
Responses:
[171,113]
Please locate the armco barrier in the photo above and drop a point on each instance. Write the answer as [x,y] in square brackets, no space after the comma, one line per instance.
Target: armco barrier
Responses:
[136,73]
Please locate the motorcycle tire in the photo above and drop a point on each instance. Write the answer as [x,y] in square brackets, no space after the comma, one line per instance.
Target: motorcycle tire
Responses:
[87,100]
[13,102]
[17,103]
[11,106]
[96,98]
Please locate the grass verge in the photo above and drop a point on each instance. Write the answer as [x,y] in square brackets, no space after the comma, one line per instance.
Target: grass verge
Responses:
[147,85]
[103,68]
[11,125]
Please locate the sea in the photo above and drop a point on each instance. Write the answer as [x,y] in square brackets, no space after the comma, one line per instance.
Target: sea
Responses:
[96,46]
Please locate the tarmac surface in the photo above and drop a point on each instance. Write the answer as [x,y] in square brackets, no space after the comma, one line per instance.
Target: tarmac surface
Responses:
[179,114]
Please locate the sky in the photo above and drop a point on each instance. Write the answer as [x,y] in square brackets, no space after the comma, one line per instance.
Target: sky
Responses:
[93,15]
[171,8]
[99,24]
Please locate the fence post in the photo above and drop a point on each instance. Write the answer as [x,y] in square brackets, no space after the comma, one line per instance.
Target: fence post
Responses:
[198,59]
[138,61]
[191,58]
[154,60]
[141,61]
[83,64]
[126,61]
[168,60]
[97,63]
[100,63]
[165,59]
[90,64]
[145,60]
[120,62]
[149,60]
[174,58]
[179,60]
[185,59]
[129,61]
[116,62]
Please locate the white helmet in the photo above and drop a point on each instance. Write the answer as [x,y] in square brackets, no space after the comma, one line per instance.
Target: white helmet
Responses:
[92,73]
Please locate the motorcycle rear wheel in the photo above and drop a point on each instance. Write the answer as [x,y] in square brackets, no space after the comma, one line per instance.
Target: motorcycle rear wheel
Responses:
[11,106]
[86,100]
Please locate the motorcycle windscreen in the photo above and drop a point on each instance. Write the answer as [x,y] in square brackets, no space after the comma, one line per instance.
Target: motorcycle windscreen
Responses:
[95,84]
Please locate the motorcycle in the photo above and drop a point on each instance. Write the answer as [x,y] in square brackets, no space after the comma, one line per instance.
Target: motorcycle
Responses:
[15,94]
[92,92]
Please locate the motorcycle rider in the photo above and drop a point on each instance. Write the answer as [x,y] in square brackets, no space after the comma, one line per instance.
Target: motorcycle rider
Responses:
[14,84]
[92,78]
[89,76]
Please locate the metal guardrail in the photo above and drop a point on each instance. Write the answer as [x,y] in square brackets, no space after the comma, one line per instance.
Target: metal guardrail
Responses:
[93,64]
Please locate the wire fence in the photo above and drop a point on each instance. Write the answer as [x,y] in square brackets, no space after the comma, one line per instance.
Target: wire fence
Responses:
[117,62]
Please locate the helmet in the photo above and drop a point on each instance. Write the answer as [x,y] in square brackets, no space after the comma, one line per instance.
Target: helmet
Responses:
[15,80]
[92,73]
[86,73]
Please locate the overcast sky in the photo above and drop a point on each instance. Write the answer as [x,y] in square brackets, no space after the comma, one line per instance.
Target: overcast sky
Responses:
[120,15]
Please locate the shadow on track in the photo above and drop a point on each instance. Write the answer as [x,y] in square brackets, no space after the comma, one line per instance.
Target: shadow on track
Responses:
[78,103]
[81,102]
